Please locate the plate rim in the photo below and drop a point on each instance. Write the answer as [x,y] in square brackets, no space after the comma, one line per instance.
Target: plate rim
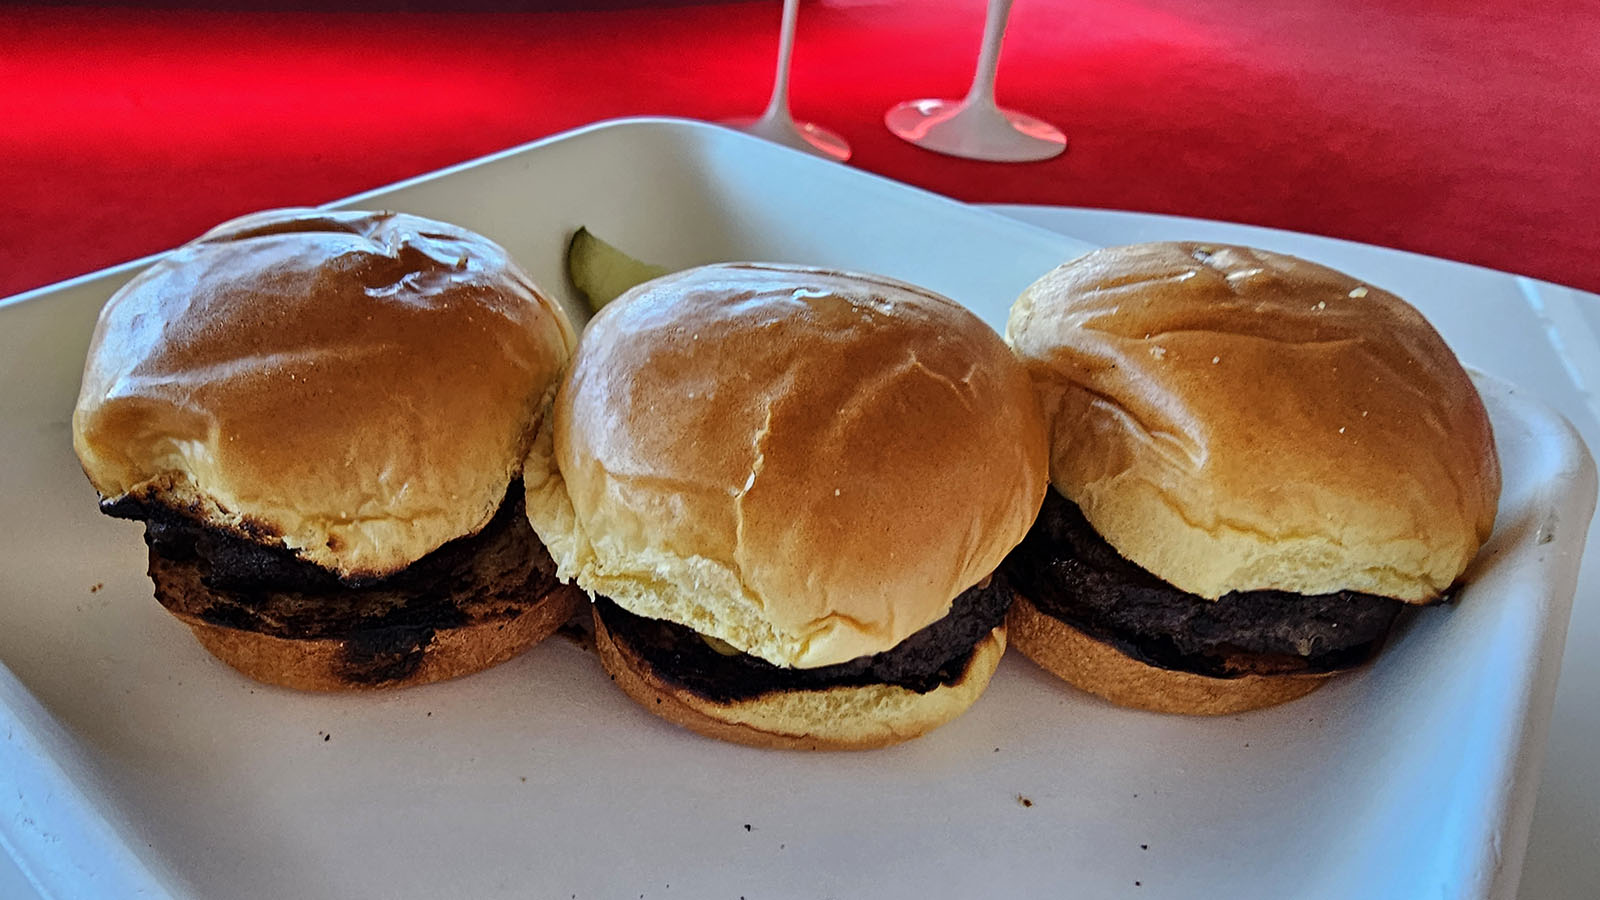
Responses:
[1533,713]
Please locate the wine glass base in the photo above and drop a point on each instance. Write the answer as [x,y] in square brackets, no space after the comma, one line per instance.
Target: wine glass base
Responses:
[799,135]
[975,131]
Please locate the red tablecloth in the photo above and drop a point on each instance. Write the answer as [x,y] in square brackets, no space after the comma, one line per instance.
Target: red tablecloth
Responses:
[1468,131]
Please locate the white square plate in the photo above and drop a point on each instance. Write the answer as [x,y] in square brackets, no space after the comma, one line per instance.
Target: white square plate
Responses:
[132,761]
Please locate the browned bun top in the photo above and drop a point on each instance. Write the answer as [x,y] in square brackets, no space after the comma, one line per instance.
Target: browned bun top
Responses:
[360,386]
[1233,419]
[808,465]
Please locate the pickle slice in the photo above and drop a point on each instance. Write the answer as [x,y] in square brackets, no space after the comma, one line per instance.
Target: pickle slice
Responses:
[601,272]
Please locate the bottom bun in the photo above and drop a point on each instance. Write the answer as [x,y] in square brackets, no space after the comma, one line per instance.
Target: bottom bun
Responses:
[1101,669]
[840,718]
[393,658]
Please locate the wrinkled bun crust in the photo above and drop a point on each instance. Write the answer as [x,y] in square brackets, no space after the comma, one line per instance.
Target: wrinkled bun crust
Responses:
[323,664]
[1232,419]
[841,718]
[806,464]
[1107,672]
[359,386]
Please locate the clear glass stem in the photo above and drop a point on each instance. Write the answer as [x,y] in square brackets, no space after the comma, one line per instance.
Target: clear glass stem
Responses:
[778,105]
[994,31]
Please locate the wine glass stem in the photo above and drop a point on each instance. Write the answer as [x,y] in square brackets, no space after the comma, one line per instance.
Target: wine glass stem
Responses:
[994,30]
[779,104]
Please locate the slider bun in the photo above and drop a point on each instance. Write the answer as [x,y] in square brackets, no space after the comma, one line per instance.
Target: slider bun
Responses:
[1103,670]
[337,663]
[840,718]
[808,465]
[1233,419]
[358,386]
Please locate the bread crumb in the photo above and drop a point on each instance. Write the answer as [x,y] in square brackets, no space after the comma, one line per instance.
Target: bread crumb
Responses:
[1024,801]
[95,588]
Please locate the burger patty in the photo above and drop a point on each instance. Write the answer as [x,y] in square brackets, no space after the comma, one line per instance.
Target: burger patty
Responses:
[935,656]
[203,573]
[1068,571]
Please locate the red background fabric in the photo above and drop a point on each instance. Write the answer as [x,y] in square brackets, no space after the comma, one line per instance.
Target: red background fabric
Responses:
[1467,131]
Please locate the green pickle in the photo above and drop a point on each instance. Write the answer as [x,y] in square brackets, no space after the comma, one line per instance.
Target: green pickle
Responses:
[601,272]
[721,646]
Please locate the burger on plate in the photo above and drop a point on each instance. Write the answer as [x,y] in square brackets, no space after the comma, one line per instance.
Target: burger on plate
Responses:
[1257,463]
[321,419]
[788,490]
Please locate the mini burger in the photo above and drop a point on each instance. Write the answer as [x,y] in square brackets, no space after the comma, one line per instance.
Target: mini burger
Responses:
[321,419]
[788,490]
[1257,463]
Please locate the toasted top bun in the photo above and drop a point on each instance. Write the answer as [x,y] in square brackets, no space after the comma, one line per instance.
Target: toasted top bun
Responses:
[359,386]
[1232,419]
[808,465]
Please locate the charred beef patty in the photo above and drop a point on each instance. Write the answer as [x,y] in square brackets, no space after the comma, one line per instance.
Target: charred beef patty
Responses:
[204,573]
[935,656]
[1067,570]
